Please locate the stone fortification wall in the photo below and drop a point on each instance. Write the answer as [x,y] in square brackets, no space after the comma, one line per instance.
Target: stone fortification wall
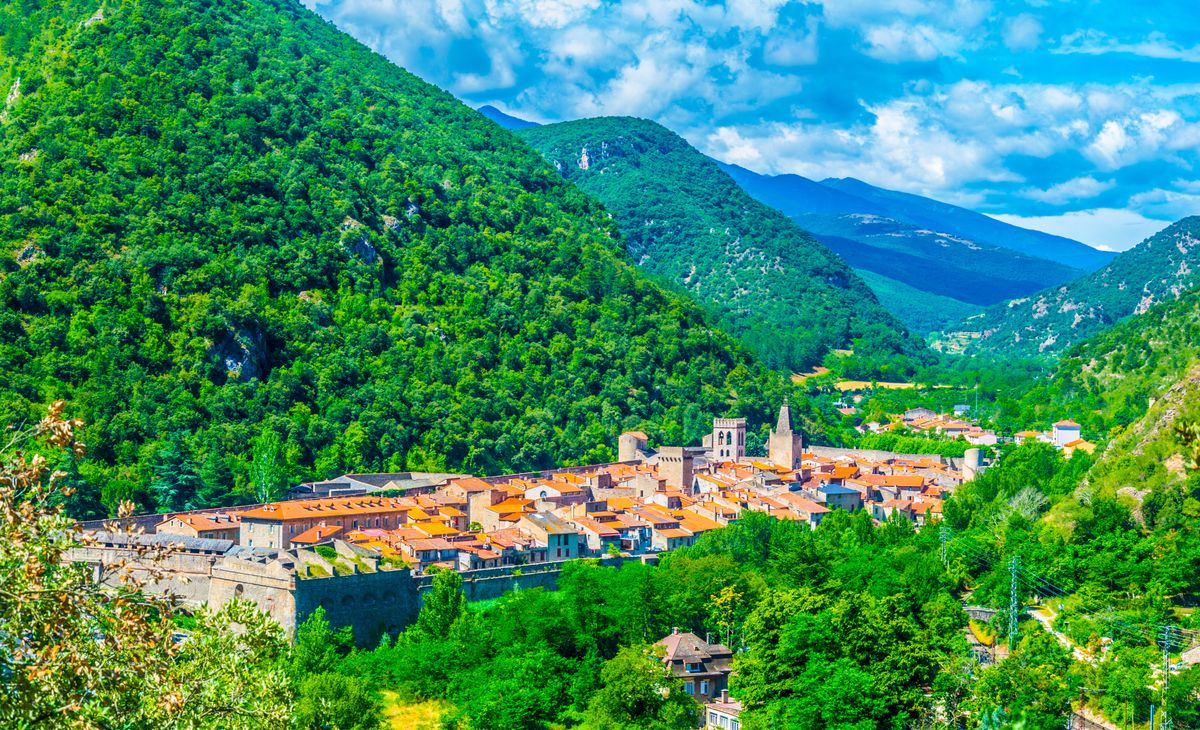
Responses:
[872,455]
[268,584]
[488,583]
[371,603]
[186,575]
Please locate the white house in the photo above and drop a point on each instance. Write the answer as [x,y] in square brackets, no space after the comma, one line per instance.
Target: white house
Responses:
[1064,433]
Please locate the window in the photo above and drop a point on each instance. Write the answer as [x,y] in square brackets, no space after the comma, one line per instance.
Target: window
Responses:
[704,686]
[695,667]
[689,687]
[712,718]
[291,530]
[734,725]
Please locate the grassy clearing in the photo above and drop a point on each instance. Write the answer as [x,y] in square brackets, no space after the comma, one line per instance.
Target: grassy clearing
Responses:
[399,714]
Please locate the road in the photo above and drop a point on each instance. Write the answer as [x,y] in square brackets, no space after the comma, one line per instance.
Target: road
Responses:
[1046,619]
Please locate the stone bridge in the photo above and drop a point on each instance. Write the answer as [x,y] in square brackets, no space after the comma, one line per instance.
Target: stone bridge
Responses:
[980,613]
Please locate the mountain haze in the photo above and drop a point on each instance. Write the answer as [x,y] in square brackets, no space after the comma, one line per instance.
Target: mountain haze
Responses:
[225,218]
[686,222]
[1161,268]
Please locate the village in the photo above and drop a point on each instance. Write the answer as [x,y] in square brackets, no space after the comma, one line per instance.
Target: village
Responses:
[1065,435]
[649,501]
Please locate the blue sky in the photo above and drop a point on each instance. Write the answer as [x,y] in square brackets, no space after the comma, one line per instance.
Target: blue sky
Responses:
[1077,117]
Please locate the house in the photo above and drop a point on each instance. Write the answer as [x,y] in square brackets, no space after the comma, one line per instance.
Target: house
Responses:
[837,496]
[723,713]
[274,525]
[1021,437]
[962,409]
[702,667]
[560,539]
[599,537]
[918,414]
[214,526]
[1071,447]
[1065,432]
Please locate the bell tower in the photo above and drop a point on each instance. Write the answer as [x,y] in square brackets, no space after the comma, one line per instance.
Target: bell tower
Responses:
[784,446]
[729,439]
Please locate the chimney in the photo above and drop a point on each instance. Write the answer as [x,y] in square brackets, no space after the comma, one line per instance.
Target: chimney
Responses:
[674,630]
[724,696]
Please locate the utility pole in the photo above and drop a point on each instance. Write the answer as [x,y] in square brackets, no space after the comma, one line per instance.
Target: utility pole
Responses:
[1167,641]
[1014,565]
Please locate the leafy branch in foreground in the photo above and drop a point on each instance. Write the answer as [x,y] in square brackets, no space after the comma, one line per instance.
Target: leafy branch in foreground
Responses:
[76,651]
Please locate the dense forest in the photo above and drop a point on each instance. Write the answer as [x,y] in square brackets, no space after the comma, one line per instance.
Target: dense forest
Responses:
[1160,269]
[688,223]
[237,242]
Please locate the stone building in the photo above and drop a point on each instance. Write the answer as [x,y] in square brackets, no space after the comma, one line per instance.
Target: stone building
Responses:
[785,447]
[728,439]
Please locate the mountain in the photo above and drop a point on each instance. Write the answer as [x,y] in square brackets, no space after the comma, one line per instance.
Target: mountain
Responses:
[936,251]
[229,232]
[974,226]
[1161,268]
[1133,385]
[686,222]
[505,120]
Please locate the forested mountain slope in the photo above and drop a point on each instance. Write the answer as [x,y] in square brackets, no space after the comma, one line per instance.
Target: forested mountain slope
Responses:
[685,221]
[229,229]
[1161,268]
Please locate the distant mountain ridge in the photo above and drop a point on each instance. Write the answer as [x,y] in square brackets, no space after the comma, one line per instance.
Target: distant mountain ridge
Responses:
[935,250]
[507,121]
[765,279]
[1160,269]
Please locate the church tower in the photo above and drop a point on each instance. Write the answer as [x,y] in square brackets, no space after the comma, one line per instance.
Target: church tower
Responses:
[784,446]
[728,439]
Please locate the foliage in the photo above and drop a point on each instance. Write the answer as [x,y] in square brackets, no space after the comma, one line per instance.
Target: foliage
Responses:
[335,701]
[76,653]
[221,220]
[688,223]
[442,606]
[639,692]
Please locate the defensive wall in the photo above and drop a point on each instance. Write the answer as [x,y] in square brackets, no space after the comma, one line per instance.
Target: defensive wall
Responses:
[488,583]
[833,452]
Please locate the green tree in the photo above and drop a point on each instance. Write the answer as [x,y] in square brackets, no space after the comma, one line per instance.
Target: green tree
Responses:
[637,691]
[268,475]
[318,646]
[175,481]
[1031,685]
[442,606]
[332,701]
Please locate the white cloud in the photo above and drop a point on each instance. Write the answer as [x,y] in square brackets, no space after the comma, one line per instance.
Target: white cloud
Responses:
[1155,45]
[1080,188]
[1180,202]
[794,50]
[1022,33]
[1109,229]
[904,42]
